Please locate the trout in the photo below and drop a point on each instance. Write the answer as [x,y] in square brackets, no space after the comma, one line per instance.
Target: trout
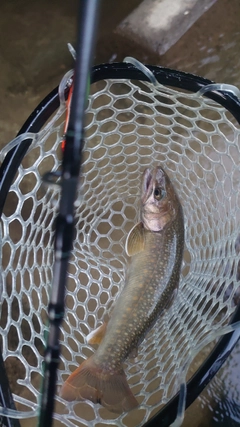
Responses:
[155,246]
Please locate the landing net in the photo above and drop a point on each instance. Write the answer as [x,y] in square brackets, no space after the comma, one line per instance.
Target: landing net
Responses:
[130,125]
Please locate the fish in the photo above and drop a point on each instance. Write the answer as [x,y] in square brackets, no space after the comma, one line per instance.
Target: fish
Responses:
[155,247]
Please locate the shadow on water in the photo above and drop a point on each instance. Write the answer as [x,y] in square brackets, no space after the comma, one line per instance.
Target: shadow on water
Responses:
[219,403]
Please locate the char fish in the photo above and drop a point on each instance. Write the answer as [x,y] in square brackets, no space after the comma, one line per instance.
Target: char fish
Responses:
[155,246]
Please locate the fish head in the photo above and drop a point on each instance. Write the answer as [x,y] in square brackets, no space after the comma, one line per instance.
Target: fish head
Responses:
[159,201]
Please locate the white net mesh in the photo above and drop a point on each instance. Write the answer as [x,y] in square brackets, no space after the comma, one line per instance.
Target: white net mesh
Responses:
[130,125]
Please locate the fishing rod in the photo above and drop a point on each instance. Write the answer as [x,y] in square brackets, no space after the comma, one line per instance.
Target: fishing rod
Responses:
[87,23]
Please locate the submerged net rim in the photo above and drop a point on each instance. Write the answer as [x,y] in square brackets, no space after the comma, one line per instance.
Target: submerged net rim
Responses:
[167,77]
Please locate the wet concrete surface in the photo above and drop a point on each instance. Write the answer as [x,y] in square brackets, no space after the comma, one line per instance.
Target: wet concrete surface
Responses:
[34,57]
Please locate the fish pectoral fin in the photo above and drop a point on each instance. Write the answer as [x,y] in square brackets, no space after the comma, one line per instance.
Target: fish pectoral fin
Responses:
[135,240]
[96,336]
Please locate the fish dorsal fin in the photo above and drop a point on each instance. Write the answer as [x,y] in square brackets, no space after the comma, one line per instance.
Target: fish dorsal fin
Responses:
[135,240]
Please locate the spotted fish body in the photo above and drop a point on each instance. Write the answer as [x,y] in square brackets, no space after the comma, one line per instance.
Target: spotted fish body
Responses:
[156,248]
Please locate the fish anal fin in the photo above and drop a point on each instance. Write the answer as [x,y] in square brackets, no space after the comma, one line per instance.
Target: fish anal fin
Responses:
[91,382]
[96,336]
[135,240]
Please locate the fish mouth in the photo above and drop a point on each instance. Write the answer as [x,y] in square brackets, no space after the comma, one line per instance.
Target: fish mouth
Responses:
[157,210]
[151,178]
[147,185]
[154,213]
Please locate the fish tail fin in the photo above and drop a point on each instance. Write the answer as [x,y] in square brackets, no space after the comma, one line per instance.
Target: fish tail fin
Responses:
[90,382]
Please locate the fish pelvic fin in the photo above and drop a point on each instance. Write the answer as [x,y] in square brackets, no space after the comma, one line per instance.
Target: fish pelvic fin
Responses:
[135,240]
[96,336]
[90,382]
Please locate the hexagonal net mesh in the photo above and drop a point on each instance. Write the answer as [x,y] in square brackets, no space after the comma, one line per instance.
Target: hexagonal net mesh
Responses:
[130,125]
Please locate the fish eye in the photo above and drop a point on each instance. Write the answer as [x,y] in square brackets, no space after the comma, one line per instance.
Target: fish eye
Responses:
[157,193]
